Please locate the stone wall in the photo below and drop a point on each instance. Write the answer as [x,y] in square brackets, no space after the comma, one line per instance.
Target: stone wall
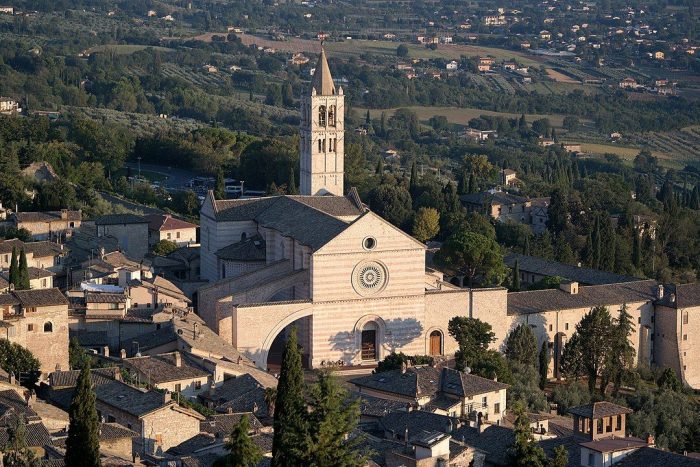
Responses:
[45,333]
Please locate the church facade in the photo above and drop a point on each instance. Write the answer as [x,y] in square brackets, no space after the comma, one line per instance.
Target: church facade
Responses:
[356,288]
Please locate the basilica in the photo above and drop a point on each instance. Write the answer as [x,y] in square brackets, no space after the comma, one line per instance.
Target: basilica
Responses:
[357,288]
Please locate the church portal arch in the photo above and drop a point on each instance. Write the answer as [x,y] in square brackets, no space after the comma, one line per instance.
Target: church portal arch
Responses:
[370,332]
[302,319]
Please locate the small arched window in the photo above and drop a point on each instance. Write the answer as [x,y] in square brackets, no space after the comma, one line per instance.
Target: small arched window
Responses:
[48,326]
[322,115]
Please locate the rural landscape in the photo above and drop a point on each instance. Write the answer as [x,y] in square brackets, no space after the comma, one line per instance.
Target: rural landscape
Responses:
[350,233]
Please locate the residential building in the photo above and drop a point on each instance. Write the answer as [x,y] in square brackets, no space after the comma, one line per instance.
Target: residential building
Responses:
[38,278]
[49,225]
[131,232]
[9,106]
[442,391]
[174,372]
[38,321]
[166,227]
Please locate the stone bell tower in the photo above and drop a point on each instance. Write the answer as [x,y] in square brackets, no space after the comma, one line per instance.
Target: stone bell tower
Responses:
[321,144]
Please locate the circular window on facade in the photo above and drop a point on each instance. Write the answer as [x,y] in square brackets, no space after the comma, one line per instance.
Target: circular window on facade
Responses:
[369,277]
[369,243]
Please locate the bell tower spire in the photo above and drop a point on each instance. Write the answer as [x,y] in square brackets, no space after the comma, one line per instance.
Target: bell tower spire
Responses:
[321,142]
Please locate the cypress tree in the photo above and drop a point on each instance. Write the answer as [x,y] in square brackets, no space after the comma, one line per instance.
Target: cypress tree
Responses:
[526,248]
[636,249]
[413,183]
[544,364]
[525,451]
[380,167]
[290,409]
[83,443]
[14,269]
[462,187]
[291,183]
[368,119]
[471,187]
[23,279]
[220,189]
[516,276]
[243,452]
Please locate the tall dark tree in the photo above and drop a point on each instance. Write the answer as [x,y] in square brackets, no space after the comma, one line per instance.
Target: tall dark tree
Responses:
[14,268]
[220,187]
[589,346]
[16,452]
[413,183]
[515,282]
[525,451]
[330,420]
[558,212]
[243,452]
[290,425]
[23,279]
[368,119]
[521,345]
[83,443]
[473,337]
[636,249]
[463,185]
[544,364]
[291,183]
[620,359]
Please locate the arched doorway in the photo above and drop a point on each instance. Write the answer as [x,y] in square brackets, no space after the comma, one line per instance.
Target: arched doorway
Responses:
[369,342]
[435,348]
[274,355]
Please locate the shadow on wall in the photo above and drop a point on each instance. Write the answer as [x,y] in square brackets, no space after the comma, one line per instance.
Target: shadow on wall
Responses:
[392,336]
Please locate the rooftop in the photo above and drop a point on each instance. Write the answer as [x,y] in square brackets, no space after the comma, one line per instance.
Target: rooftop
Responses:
[682,296]
[163,222]
[584,276]
[322,80]
[119,219]
[164,368]
[652,457]
[614,444]
[39,297]
[47,216]
[496,198]
[250,249]
[538,301]
[599,410]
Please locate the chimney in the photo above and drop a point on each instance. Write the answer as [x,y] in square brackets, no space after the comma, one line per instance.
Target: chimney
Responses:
[570,287]
[403,368]
[166,397]
[194,331]
[105,351]
[660,292]
[650,440]
[229,410]
[178,359]
[122,353]
[672,297]
[405,436]
[64,214]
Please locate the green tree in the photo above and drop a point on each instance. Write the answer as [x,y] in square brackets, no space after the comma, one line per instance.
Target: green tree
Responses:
[77,357]
[290,424]
[521,346]
[393,203]
[543,362]
[220,187]
[330,421]
[243,452]
[561,457]
[83,443]
[471,254]
[413,183]
[164,247]
[426,224]
[669,380]
[291,183]
[19,361]
[515,282]
[473,337]
[525,389]
[524,451]
[620,359]
[557,212]
[394,361]
[589,346]
[402,51]
[14,268]
[16,453]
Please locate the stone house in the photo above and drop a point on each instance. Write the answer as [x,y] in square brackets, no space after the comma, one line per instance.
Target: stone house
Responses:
[130,230]
[173,372]
[38,278]
[49,225]
[154,292]
[677,331]
[166,227]
[42,255]
[442,391]
[38,321]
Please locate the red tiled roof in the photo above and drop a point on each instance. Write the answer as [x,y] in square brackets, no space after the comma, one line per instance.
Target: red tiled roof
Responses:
[166,222]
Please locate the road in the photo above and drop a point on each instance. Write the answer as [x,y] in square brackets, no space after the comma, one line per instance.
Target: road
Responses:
[177,178]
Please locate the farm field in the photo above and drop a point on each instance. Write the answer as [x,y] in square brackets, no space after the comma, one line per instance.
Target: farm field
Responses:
[358,47]
[459,115]
[126,49]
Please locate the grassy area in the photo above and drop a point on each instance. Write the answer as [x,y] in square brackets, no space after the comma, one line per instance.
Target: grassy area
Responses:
[126,49]
[458,115]
[628,154]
